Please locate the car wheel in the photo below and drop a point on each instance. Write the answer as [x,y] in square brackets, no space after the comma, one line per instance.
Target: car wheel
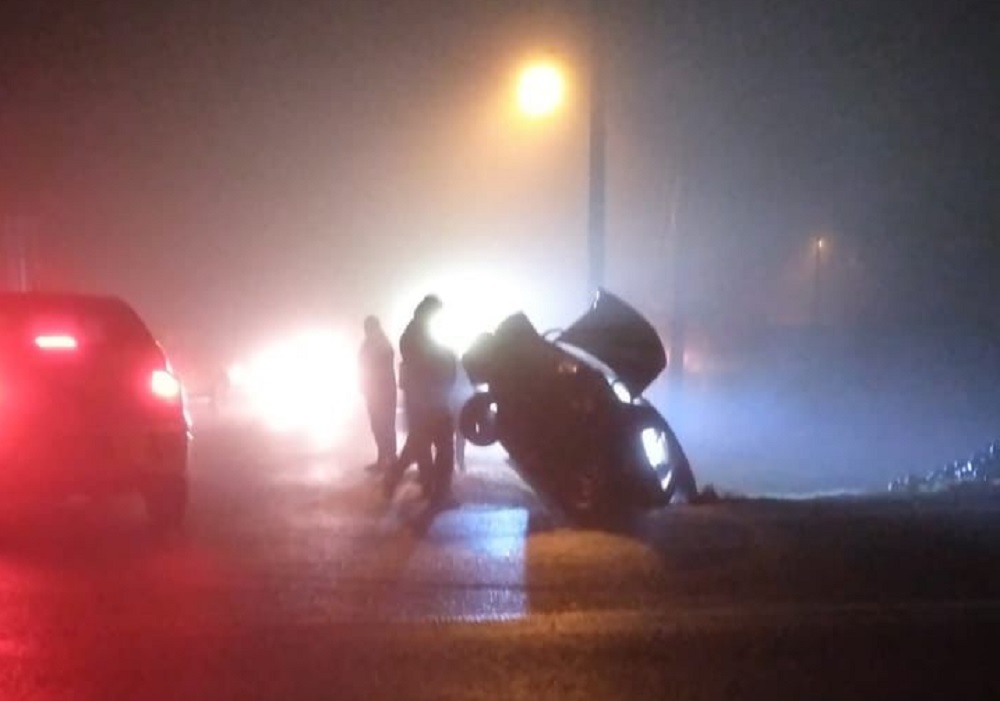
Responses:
[166,501]
[477,420]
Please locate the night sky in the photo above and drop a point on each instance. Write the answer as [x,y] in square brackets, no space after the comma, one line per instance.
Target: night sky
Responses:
[227,164]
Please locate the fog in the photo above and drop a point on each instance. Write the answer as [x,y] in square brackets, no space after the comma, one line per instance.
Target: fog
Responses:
[234,169]
[786,411]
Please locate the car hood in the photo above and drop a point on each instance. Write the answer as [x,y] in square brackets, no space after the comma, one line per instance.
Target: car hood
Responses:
[620,337]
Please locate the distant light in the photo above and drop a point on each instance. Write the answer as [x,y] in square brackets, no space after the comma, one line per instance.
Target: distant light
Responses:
[56,342]
[442,331]
[236,374]
[306,383]
[475,302]
[540,90]
[820,243]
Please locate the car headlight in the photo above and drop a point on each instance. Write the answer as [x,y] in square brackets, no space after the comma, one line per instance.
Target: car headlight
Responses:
[654,444]
[304,383]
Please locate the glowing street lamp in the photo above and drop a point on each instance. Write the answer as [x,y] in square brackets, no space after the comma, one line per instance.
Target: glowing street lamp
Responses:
[540,90]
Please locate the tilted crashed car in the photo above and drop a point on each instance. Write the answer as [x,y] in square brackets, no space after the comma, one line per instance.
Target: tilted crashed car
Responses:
[567,406]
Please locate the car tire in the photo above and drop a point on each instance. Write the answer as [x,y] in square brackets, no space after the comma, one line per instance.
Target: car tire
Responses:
[477,420]
[166,501]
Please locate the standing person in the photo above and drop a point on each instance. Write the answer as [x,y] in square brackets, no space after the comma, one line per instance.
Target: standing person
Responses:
[376,363]
[427,376]
[460,394]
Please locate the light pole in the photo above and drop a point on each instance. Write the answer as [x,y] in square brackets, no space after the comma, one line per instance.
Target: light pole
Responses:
[675,353]
[818,281]
[18,234]
[596,216]
[540,92]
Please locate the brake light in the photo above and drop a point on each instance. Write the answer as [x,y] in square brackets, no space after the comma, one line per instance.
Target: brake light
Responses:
[164,385]
[56,342]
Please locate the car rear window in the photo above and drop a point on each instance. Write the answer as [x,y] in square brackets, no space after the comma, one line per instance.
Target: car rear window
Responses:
[89,321]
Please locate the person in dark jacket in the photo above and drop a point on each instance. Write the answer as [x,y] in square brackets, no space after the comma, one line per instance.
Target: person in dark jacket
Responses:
[376,364]
[461,393]
[427,377]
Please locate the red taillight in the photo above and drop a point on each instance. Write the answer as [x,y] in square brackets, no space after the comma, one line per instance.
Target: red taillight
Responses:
[164,385]
[56,342]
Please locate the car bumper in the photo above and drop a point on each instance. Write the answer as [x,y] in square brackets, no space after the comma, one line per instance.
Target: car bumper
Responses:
[107,461]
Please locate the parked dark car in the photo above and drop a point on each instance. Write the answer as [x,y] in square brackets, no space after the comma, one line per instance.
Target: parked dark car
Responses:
[568,408]
[90,404]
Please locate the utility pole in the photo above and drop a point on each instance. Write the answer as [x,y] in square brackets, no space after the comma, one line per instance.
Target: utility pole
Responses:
[597,216]
[818,283]
[675,354]
[17,231]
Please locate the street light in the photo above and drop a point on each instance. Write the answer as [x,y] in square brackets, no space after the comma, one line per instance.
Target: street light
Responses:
[540,90]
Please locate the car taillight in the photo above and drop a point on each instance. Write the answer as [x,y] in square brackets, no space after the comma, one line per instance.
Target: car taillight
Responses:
[164,385]
[56,342]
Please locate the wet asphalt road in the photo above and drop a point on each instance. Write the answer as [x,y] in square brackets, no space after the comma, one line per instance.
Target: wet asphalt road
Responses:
[294,580]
